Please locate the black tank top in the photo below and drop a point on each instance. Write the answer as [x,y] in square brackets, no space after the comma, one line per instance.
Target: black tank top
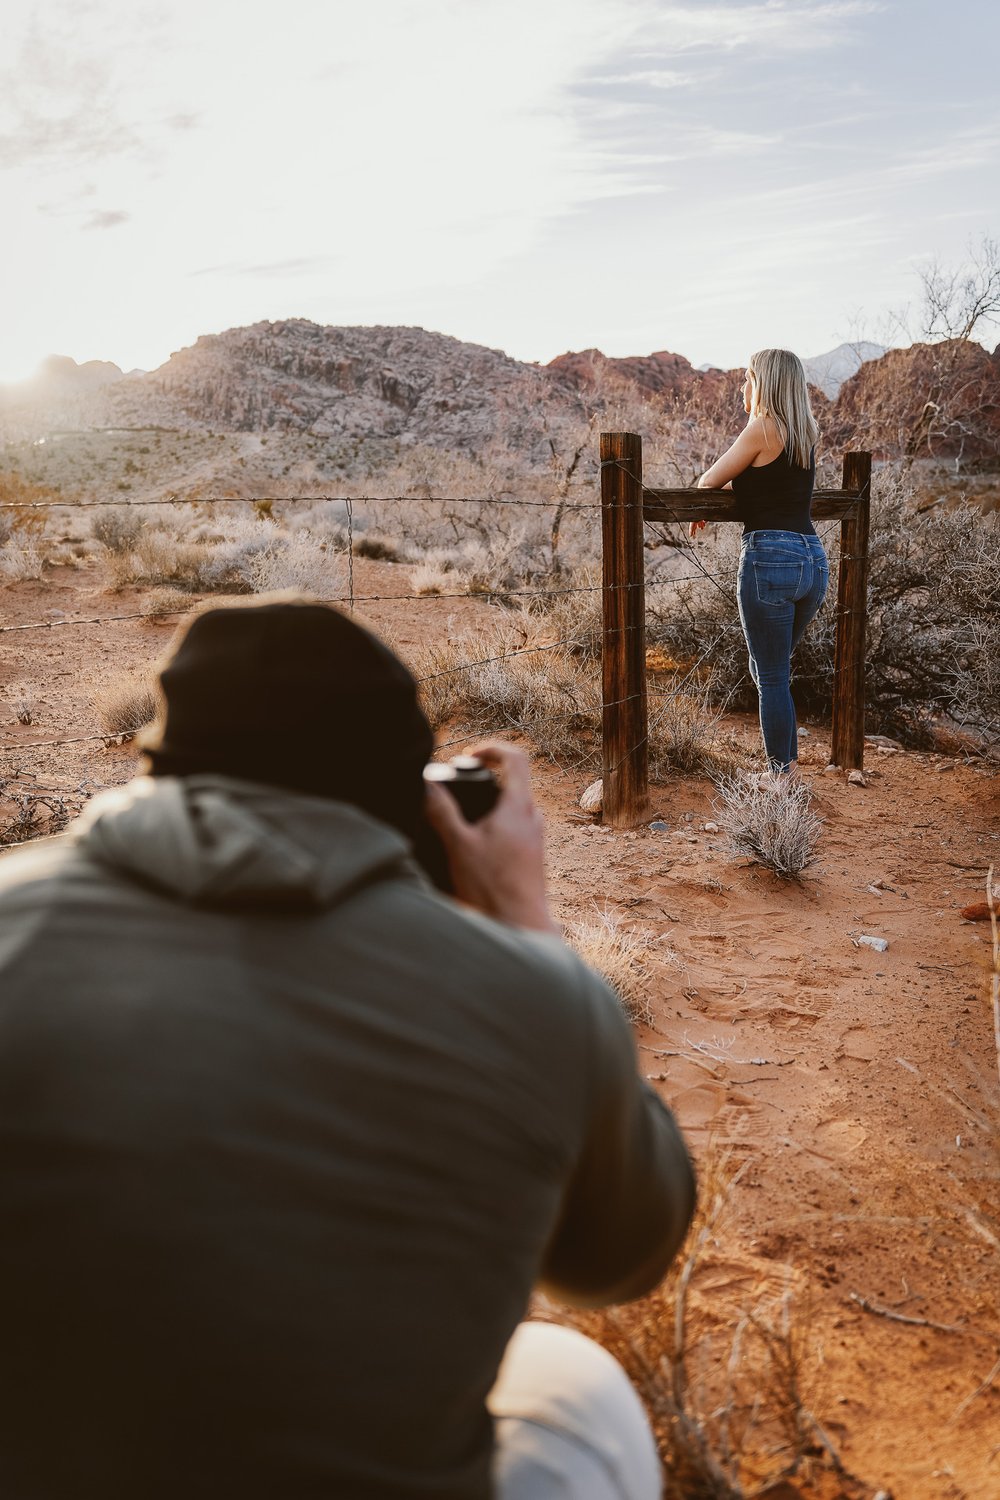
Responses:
[776,497]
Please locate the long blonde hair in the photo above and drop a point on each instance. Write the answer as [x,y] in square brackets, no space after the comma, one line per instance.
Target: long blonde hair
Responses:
[780,392]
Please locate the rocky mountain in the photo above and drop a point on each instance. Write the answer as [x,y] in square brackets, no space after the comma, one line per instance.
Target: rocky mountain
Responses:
[829,371]
[669,375]
[342,383]
[407,386]
[930,400]
[663,374]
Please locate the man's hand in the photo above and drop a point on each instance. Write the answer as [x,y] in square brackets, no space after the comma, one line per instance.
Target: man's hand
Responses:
[497,864]
[695,527]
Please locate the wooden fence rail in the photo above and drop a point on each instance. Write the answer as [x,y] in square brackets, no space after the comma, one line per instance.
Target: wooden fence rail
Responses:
[626,506]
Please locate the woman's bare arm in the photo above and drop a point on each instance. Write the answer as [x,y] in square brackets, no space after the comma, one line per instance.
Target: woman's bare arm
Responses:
[752,442]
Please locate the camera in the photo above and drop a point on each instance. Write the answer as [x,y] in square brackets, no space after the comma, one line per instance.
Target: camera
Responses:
[469,780]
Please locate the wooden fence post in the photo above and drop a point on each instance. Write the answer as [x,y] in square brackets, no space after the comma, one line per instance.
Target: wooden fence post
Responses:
[623,657]
[852,604]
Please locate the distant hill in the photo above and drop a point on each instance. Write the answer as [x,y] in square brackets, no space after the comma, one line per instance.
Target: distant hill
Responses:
[354,386]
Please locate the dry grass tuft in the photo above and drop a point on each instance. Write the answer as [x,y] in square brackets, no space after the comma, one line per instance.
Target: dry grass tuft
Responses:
[686,736]
[125,703]
[620,955]
[432,578]
[21,561]
[770,821]
[165,602]
[21,698]
[511,678]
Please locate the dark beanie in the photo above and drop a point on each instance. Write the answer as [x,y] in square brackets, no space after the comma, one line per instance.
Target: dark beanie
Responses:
[295,695]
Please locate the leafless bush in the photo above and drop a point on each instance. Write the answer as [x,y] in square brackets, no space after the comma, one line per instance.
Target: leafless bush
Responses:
[770,820]
[296,562]
[620,954]
[125,703]
[573,611]
[255,555]
[117,528]
[35,815]
[228,567]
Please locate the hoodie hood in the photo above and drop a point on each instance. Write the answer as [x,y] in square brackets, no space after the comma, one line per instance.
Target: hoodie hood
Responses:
[215,841]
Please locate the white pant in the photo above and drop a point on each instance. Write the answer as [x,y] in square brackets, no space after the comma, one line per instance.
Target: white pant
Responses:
[568,1422]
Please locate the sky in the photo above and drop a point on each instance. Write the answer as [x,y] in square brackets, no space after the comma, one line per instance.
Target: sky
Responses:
[532,175]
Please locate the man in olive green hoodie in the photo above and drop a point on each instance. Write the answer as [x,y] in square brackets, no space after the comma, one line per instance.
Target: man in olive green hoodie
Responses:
[287,1136]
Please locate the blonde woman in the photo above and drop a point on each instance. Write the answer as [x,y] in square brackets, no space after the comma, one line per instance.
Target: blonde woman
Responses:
[783,574]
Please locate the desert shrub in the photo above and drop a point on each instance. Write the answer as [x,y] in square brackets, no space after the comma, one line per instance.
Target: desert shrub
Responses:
[125,702]
[21,561]
[378,546]
[510,679]
[298,562]
[620,955]
[161,603]
[257,556]
[228,567]
[933,639]
[117,528]
[686,735]
[934,621]
[159,559]
[770,820]
[24,511]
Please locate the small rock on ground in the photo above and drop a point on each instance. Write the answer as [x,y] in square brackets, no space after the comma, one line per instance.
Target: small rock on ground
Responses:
[593,797]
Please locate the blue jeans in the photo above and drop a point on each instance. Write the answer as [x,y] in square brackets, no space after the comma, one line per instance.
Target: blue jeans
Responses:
[782,583]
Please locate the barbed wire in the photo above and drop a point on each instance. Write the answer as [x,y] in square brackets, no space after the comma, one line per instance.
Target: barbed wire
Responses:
[304,499]
[351,598]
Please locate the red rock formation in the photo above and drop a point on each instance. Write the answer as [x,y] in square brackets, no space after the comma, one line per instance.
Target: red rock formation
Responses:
[928,401]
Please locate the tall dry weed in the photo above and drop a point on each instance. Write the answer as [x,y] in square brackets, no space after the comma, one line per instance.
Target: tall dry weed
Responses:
[728,1393]
[125,702]
[623,956]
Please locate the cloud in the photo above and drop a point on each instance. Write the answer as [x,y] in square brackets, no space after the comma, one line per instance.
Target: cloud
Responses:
[300,266]
[795,25]
[107,218]
[57,103]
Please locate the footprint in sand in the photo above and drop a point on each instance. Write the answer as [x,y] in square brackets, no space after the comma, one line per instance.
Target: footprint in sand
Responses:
[696,1108]
[857,1043]
[840,1137]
